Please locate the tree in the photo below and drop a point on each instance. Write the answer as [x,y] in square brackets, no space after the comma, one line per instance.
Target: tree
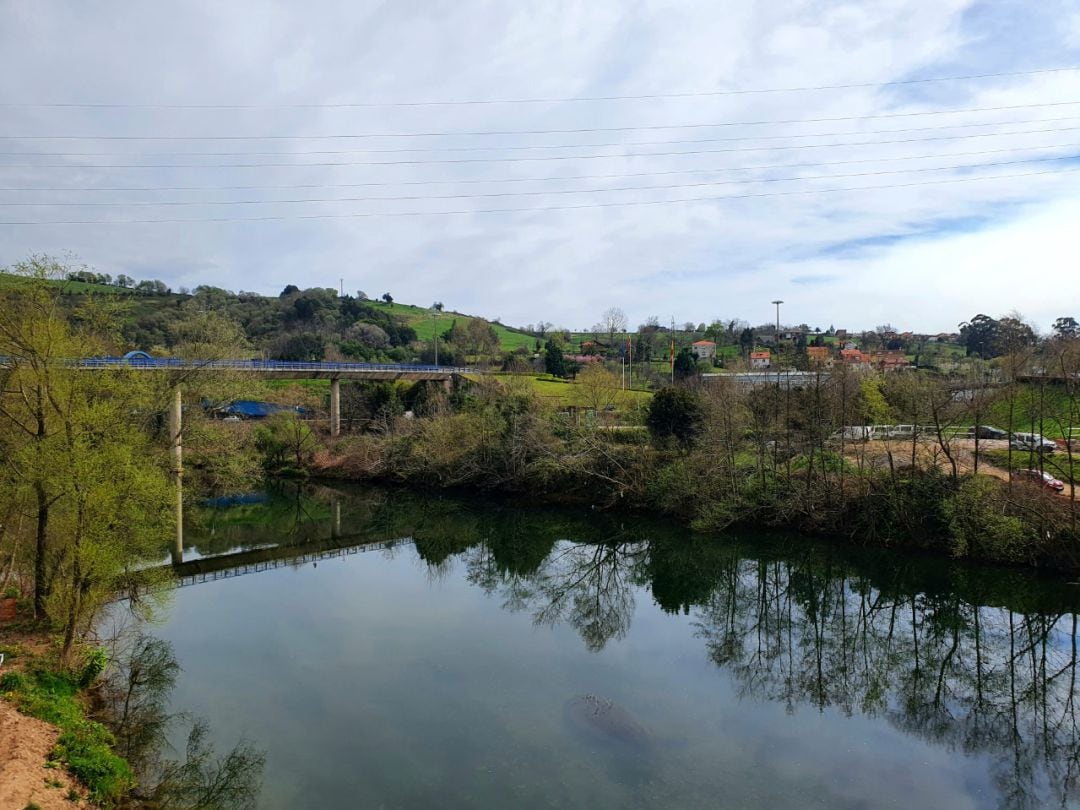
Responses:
[1067,328]
[554,363]
[685,364]
[388,298]
[613,322]
[437,306]
[77,454]
[746,340]
[676,413]
[980,336]
[599,388]
[124,281]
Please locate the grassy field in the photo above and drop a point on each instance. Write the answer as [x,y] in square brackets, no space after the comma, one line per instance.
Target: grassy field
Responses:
[551,390]
[419,318]
[567,392]
[72,287]
[1054,400]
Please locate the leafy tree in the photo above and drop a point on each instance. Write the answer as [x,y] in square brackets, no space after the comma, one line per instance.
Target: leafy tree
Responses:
[980,336]
[746,340]
[290,289]
[554,362]
[676,413]
[76,455]
[388,298]
[1066,328]
[286,442]
[300,347]
[685,364]
[437,306]
[599,388]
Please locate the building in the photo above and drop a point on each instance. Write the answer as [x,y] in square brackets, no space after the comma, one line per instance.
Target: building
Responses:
[819,355]
[704,349]
[760,360]
[854,357]
[890,360]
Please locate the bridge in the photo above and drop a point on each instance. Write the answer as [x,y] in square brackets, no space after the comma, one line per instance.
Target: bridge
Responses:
[254,561]
[278,369]
[274,369]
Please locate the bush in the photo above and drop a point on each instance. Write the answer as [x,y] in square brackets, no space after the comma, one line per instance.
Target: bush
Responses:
[982,527]
[676,414]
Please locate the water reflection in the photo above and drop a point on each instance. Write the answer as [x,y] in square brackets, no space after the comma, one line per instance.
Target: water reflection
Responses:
[978,661]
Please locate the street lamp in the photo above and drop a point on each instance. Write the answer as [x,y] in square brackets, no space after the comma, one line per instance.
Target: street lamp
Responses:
[435,334]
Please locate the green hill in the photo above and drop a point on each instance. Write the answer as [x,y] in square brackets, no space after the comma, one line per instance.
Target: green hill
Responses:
[422,322]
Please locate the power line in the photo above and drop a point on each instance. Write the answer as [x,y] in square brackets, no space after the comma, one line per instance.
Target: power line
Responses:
[617,204]
[532,159]
[567,145]
[428,197]
[554,100]
[530,131]
[473,181]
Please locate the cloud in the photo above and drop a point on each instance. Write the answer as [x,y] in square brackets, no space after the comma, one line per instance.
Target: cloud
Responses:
[829,221]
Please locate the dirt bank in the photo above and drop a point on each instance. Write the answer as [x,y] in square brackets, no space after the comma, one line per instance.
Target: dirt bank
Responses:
[25,744]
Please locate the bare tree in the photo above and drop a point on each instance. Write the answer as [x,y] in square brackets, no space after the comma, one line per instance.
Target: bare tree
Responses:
[613,321]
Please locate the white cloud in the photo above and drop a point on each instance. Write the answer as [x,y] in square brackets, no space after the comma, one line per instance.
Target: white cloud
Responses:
[689,260]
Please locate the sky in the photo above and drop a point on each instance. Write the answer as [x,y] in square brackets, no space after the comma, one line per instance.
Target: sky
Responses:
[899,194]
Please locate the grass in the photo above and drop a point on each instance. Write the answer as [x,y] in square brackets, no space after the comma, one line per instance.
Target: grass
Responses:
[84,746]
[420,319]
[70,287]
[567,392]
[1053,400]
[1056,464]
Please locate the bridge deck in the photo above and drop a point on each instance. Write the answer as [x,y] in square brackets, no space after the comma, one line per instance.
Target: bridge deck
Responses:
[283,369]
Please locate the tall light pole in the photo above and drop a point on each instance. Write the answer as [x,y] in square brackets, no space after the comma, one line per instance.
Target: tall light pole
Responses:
[778,303]
[435,333]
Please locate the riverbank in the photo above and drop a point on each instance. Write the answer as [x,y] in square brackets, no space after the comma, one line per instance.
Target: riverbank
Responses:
[32,771]
[726,472]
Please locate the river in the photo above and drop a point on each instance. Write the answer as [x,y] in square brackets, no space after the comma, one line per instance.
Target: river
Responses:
[389,649]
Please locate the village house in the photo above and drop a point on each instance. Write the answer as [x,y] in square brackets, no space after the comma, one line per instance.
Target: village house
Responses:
[704,349]
[854,357]
[760,360]
[890,360]
[819,355]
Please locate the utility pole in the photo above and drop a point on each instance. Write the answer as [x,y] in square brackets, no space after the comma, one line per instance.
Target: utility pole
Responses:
[341,286]
[672,349]
[435,333]
[778,302]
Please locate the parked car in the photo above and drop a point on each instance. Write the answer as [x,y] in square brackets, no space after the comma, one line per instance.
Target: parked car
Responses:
[1043,479]
[989,432]
[1032,441]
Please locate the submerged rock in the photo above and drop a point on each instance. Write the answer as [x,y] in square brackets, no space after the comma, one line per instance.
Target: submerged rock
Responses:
[601,719]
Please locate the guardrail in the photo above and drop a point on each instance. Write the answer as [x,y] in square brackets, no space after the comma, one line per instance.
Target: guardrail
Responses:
[279,366]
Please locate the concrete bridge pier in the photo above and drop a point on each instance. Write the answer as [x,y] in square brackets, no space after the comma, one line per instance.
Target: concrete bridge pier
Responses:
[335,406]
[176,438]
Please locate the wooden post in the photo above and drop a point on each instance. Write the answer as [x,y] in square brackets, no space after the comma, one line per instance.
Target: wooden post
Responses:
[335,406]
[176,437]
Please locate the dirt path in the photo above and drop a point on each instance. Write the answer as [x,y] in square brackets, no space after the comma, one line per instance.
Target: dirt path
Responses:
[25,744]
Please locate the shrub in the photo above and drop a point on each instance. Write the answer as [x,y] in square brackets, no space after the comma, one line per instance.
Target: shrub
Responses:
[981,525]
[676,414]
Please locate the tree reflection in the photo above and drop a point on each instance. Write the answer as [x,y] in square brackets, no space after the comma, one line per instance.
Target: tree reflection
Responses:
[977,660]
[134,699]
[975,678]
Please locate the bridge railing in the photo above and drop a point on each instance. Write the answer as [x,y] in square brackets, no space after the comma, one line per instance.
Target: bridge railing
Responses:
[279,366]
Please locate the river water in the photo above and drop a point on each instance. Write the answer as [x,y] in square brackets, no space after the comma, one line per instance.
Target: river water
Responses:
[388,649]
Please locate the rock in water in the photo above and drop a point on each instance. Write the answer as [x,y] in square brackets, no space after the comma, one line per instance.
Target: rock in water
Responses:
[601,719]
